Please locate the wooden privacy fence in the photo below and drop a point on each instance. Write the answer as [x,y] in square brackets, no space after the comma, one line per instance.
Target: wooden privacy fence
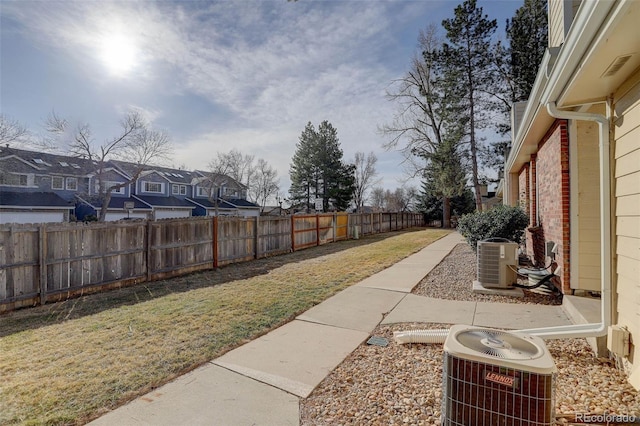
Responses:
[50,262]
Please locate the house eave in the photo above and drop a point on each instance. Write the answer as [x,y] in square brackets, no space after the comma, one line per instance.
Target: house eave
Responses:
[587,52]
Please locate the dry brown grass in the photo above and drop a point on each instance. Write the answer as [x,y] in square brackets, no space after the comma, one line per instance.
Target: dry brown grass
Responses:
[69,362]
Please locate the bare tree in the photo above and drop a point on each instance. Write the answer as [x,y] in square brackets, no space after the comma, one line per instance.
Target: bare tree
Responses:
[136,144]
[239,167]
[378,200]
[430,123]
[218,177]
[401,200]
[257,176]
[365,173]
[12,130]
[265,184]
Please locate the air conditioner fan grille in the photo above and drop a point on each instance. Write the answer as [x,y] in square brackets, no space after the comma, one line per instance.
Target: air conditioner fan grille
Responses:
[499,344]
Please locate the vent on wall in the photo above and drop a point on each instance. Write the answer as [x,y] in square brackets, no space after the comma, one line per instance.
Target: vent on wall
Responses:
[616,65]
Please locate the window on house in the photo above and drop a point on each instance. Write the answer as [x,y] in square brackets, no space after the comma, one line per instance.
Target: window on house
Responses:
[57,182]
[63,164]
[154,187]
[109,184]
[72,184]
[175,189]
[13,179]
[183,190]
[203,192]
[75,166]
[38,161]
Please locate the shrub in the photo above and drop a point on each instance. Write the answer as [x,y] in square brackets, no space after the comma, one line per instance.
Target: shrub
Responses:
[500,222]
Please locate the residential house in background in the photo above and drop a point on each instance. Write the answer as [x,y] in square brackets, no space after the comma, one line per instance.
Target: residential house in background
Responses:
[42,187]
[162,189]
[216,194]
[574,165]
[38,187]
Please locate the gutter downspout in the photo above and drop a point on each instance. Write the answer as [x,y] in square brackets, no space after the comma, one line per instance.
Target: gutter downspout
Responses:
[593,329]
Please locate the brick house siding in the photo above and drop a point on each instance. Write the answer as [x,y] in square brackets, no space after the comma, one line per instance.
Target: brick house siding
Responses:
[544,190]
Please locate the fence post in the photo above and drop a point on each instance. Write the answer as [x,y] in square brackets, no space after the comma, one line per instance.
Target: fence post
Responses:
[293,233]
[149,242]
[256,242]
[317,229]
[335,225]
[215,242]
[42,256]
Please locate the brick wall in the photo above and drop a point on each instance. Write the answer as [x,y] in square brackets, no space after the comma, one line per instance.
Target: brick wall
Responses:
[523,191]
[552,197]
[524,200]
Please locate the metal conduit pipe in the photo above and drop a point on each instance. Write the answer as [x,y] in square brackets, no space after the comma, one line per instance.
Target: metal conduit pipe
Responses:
[594,329]
[421,336]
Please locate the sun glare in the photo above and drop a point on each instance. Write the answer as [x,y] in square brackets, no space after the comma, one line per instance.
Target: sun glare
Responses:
[118,54]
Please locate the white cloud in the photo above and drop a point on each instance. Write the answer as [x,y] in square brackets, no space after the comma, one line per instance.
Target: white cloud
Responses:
[269,66]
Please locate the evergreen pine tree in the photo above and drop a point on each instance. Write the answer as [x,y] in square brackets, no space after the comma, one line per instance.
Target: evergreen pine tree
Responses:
[302,171]
[468,50]
[318,171]
[527,35]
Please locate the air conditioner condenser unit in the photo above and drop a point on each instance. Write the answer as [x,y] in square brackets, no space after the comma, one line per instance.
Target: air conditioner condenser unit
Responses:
[494,377]
[497,263]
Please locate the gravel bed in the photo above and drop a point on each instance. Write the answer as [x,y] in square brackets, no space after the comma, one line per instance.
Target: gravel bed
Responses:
[453,277]
[402,384]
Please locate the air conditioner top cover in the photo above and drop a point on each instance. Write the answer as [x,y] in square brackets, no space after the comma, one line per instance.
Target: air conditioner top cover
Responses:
[506,348]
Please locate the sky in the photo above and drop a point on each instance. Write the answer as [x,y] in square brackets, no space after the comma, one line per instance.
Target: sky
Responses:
[245,75]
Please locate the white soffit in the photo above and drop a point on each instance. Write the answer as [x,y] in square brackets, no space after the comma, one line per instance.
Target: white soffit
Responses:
[610,60]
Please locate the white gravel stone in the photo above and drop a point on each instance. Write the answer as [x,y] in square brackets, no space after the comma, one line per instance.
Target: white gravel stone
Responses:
[402,384]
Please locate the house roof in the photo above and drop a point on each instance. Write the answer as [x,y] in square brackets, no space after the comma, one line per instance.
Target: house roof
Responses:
[239,202]
[223,179]
[173,202]
[172,175]
[208,204]
[10,199]
[52,163]
[116,203]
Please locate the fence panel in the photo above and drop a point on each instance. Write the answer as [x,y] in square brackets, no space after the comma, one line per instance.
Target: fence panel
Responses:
[180,246]
[236,240]
[342,225]
[40,263]
[19,265]
[304,230]
[325,225]
[78,256]
[274,235]
[366,224]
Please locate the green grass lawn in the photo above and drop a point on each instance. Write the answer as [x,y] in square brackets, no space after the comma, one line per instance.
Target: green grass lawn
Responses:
[69,362]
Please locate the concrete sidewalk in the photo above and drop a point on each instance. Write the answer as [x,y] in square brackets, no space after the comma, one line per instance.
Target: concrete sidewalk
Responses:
[260,383]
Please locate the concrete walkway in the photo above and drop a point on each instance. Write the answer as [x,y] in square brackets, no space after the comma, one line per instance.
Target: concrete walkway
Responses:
[260,383]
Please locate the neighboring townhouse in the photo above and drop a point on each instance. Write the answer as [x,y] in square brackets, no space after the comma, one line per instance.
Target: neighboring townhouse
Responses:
[162,189]
[221,195]
[41,187]
[122,204]
[575,163]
